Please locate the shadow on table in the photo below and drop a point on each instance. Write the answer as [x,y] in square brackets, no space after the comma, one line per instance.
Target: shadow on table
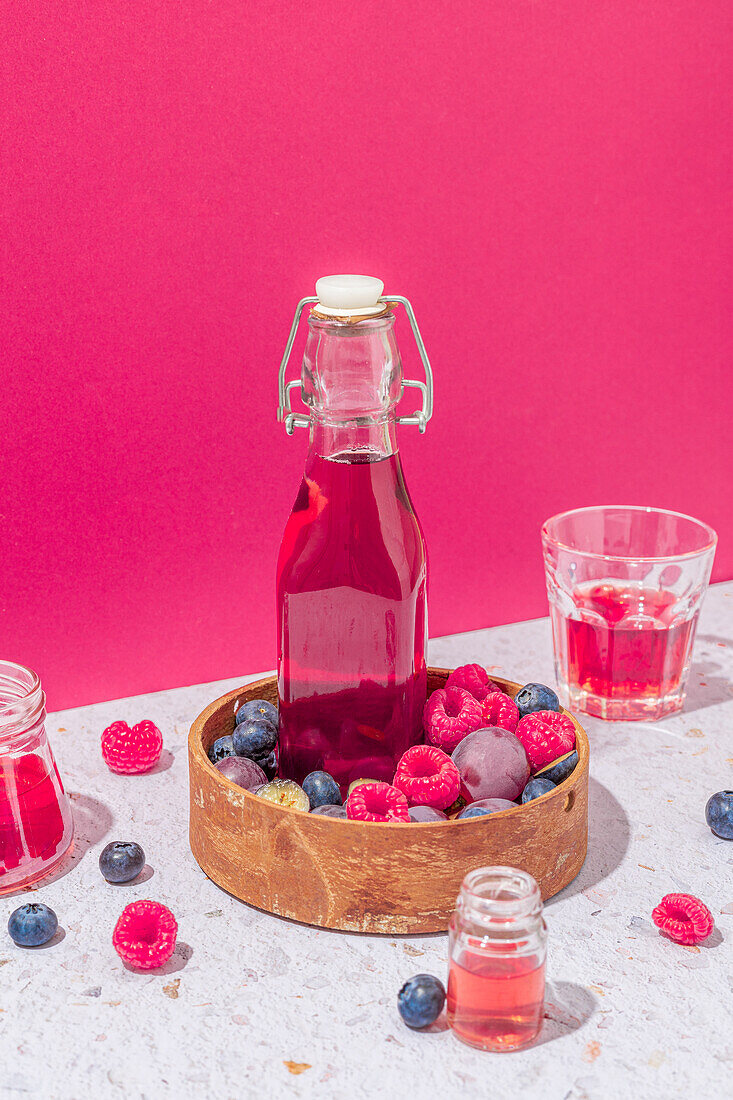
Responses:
[58,936]
[167,760]
[714,940]
[567,1008]
[145,876]
[609,834]
[706,687]
[92,821]
[182,953]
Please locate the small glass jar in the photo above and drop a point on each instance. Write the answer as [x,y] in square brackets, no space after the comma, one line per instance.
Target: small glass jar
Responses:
[498,943]
[36,826]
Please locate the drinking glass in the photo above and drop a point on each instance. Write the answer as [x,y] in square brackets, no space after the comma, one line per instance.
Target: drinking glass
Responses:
[625,586]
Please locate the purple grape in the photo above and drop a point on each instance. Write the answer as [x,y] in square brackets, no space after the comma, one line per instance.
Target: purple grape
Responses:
[492,764]
[242,771]
[426,813]
[330,811]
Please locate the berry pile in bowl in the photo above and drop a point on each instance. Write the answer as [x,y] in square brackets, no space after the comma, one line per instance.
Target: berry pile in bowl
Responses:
[485,751]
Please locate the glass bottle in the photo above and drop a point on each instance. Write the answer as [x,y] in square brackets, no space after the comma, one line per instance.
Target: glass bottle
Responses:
[352,570]
[36,827]
[497,947]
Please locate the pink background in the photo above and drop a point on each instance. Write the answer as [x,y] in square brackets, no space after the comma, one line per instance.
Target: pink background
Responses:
[548,183]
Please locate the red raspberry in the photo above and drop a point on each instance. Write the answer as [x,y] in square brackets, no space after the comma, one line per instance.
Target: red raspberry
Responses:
[683,918]
[451,713]
[145,934]
[499,710]
[376,802]
[428,777]
[474,679]
[133,750]
[545,734]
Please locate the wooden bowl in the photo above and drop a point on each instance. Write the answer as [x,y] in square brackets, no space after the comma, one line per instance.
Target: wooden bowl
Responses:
[370,877]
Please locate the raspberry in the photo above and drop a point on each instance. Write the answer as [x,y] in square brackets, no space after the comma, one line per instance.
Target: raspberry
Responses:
[451,713]
[545,735]
[129,751]
[376,802]
[145,934]
[499,710]
[427,777]
[474,679]
[683,918]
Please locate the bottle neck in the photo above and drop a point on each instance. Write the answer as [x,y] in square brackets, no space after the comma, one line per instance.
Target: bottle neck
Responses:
[352,380]
[22,708]
[353,441]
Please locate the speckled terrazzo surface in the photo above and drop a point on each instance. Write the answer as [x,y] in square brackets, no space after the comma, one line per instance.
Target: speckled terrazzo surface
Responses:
[251,1005]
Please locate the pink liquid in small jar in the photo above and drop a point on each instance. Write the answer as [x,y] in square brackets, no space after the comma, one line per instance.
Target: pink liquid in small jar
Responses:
[627,641]
[352,621]
[36,825]
[32,824]
[497,947]
[496,1004]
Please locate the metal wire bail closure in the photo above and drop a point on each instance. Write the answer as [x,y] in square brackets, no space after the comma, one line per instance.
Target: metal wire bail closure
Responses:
[300,420]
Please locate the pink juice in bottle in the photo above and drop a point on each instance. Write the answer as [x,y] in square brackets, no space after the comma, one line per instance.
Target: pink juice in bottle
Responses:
[352,571]
[351,596]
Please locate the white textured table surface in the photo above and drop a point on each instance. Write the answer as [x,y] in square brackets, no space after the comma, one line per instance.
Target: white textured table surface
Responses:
[252,1005]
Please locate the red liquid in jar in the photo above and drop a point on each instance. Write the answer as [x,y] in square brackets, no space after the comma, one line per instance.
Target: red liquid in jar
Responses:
[496,1004]
[33,828]
[351,622]
[629,644]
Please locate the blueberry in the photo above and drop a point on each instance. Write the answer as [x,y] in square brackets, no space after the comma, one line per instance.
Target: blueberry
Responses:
[255,738]
[32,924]
[322,790]
[536,788]
[421,1000]
[223,746]
[559,771]
[719,814]
[534,697]
[121,861]
[257,708]
[330,811]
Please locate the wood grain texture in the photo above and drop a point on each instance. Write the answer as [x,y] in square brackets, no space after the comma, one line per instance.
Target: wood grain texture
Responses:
[371,877]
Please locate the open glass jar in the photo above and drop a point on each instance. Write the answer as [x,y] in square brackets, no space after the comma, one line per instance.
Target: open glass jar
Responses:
[496,978]
[36,827]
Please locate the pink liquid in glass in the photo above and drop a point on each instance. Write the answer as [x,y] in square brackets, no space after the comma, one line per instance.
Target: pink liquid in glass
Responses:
[496,1004]
[351,621]
[627,641]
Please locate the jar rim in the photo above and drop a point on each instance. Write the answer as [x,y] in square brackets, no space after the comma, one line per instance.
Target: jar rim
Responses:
[21,694]
[501,892]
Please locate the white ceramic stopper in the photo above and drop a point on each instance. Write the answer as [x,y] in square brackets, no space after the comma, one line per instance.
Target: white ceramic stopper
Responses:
[349,293]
